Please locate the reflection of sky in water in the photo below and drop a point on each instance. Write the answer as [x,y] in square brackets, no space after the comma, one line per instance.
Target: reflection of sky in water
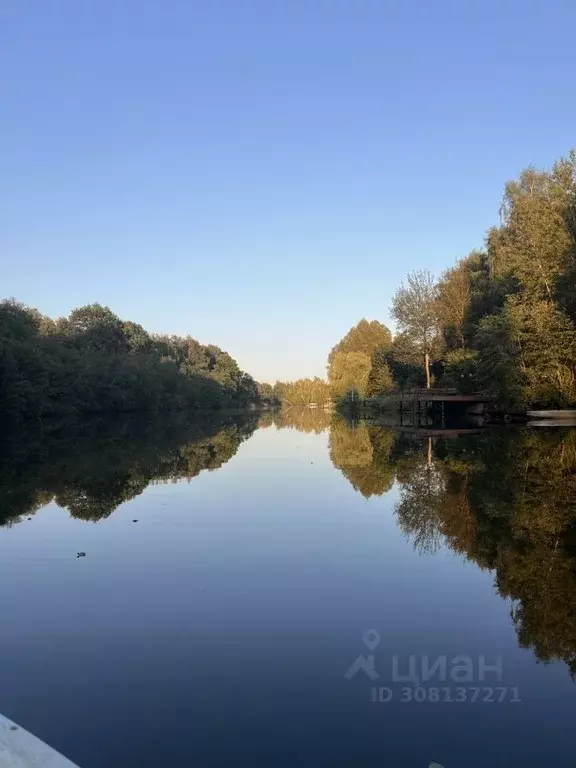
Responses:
[218,628]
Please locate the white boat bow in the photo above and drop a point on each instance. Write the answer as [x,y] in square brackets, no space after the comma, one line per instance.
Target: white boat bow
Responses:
[21,749]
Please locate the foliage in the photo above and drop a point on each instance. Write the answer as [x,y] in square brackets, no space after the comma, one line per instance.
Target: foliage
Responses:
[357,363]
[306,391]
[461,370]
[365,337]
[452,304]
[93,361]
[268,396]
[546,351]
[349,371]
[415,308]
[534,242]
[498,372]
[503,320]
[405,363]
[380,378]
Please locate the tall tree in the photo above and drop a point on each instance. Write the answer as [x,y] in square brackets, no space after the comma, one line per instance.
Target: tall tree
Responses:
[414,307]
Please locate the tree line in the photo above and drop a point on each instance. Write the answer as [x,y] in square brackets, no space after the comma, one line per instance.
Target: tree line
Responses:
[501,321]
[92,361]
[299,392]
[507,314]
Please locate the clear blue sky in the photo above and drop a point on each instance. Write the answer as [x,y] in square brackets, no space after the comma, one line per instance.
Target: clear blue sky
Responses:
[261,175]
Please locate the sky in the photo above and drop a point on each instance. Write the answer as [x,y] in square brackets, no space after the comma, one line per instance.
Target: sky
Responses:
[261,174]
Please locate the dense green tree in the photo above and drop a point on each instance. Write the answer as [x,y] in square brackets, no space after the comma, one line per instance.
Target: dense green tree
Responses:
[349,372]
[405,363]
[508,314]
[497,368]
[98,329]
[380,379]
[352,359]
[453,304]
[534,242]
[93,361]
[365,337]
[545,342]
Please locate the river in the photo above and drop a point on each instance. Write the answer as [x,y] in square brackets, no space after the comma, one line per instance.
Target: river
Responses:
[289,589]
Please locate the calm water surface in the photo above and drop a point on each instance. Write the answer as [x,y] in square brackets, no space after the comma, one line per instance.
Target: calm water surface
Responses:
[258,592]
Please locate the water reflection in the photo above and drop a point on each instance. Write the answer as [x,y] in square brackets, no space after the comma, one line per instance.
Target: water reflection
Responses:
[314,420]
[93,467]
[362,453]
[505,499]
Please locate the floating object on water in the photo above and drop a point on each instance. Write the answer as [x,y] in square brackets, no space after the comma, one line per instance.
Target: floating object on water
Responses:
[81,554]
[565,418]
[134,521]
[552,423]
[21,749]
[568,414]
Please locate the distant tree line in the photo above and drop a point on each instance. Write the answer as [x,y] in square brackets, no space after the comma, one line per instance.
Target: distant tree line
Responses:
[92,361]
[314,391]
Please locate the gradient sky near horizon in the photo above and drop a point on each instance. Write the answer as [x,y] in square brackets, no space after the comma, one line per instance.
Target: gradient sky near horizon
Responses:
[261,174]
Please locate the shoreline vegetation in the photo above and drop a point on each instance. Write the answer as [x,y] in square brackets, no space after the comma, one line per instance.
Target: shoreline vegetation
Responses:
[501,321]
[92,362]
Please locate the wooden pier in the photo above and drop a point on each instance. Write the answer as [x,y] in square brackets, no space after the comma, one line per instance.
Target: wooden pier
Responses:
[442,395]
[420,402]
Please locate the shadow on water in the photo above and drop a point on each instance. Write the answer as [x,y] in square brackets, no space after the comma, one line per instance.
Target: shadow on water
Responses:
[91,467]
[503,498]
